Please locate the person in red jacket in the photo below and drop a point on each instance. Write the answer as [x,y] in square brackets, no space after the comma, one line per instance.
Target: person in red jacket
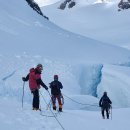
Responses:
[35,81]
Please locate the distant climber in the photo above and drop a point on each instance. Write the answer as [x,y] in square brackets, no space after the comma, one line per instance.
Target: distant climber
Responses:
[105,104]
[56,93]
[35,81]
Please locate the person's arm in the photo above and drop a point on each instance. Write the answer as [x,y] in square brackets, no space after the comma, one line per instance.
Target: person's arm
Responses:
[39,81]
[61,86]
[110,101]
[25,78]
[50,86]
[100,103]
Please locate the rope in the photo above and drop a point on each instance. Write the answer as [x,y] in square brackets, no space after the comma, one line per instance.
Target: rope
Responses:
[48,105]
[111,112]
[52,111]
[79,102]
[62,99]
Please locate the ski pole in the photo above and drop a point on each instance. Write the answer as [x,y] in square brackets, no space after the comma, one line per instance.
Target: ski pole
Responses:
[62,99]
[49,105]
[23,93]
[49,93]
[111,112]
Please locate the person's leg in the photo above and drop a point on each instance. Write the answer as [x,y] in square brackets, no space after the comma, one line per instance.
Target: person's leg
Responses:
[59,102]
[35,103]
[103,113]
[53,98]
[107,113]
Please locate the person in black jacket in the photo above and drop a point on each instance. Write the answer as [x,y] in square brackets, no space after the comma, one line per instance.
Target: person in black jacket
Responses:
[56,92]
[105,104]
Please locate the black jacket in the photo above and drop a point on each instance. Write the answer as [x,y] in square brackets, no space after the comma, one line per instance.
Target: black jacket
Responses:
[55,87]
[105,102]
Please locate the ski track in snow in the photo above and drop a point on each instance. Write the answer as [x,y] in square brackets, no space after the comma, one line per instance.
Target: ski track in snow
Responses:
[8,76]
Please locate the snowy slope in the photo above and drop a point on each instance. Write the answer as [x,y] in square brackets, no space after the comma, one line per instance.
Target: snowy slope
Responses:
[45,2]
[82,82]
[25,31]
[115,81]
[28,39]
[86,67]
[24,119]
[100,21]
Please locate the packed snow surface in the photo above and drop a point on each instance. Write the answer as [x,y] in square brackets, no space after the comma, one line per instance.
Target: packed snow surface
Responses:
[86,68]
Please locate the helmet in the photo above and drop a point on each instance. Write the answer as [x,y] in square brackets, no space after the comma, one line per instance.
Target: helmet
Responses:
[39,66]
[55,77]
[105,93]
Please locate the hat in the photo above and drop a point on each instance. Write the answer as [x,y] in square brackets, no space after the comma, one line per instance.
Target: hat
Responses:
[55,77]
[40,66]
[105,93]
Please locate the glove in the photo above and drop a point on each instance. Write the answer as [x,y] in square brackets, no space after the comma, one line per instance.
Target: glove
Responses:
[23,78]
[100,105]
[46,88]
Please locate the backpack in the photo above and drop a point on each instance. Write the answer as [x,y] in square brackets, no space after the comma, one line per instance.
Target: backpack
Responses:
[55,88]
[105,102]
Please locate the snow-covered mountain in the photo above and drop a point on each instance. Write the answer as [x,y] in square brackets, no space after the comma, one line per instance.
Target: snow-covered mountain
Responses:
[100,21]
[46,2]
[83,2]
[85,66]
[31,33]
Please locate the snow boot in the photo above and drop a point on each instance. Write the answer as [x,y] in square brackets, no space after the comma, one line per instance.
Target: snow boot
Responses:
[33,108]
[36,109]
[60,109]
[103,117]
[54,108]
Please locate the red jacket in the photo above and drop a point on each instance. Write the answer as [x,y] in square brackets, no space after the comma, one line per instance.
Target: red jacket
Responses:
[33,77]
